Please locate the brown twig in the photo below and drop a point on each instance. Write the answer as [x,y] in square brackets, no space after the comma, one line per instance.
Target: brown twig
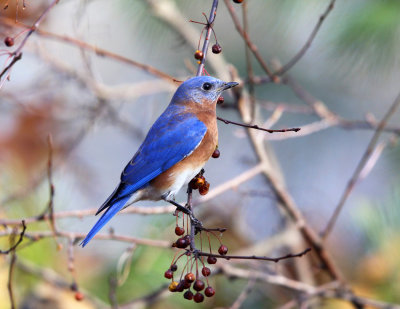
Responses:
[354,178]
[254,257]
[17,54]
[10,277]
[257,127]
[307,45]
[246,38]
[21,237]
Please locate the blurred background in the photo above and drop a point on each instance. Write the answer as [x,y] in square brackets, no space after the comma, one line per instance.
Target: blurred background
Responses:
[98,111]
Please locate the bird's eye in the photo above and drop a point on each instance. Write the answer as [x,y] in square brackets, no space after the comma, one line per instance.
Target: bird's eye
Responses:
[207,86]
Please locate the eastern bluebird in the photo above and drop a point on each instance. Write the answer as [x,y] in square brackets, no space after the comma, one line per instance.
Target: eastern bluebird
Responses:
[176,148]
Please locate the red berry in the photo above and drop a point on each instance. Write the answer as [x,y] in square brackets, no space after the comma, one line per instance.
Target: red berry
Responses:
[220,100]
[238,1]
[174,267]
[190,277]
[79,296]
[198,285]
[168,274]
[211,260]
[209,291]
[198,298]
[188,295]
[193,184]
[203,190]
[9,41]
[200,181]
[206,271]
[223,250]
[179,231]
[216,48]
[198,55]
[216,153]
[181,243]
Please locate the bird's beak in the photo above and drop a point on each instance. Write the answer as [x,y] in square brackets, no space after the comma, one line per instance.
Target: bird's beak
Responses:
[229,85]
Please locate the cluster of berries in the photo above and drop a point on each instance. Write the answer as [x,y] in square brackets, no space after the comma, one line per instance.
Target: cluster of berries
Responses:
[200,183]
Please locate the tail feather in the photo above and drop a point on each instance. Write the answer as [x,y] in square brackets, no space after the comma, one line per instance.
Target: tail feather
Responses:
[110,212]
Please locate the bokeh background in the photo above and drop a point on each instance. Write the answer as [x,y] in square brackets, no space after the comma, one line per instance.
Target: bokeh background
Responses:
[98,111]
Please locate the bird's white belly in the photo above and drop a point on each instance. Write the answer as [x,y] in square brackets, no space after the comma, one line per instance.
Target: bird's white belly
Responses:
[180,179]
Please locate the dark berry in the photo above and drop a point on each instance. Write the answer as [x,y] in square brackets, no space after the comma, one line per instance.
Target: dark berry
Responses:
[223,250]
[206,271]
[238,1]
[198,298]
[181,243]
[216,48]
[198,285]
[211,260]
[172,287]
[180,287]
[9,41]
[220,100]
[179,231]
[209,291]
[188,295]
[186,284]
[79,296]
[198,55]
[190,277]
[193,184]
[168,274]
[187,238]
[174,267]
[216,153]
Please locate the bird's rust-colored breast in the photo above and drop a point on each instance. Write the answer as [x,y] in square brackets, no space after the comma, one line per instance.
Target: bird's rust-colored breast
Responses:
[199,156]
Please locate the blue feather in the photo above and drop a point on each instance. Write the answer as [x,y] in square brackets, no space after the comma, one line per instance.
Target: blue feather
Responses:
[111,211]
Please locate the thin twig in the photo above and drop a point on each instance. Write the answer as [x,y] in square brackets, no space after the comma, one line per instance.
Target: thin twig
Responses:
[354,178]
[21,237]
[246,38]
[254,257]
[213,14]
[254,126]
[307,45]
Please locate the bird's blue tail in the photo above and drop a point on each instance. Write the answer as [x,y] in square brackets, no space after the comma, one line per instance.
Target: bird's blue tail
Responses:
[110,212]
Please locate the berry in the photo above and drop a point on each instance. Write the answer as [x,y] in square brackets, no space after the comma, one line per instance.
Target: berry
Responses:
[220,100]
[198,298]
[172,287]
[186,284]
[206,271]
[9,41]
[198,285]
[198,55]
[216,153]
[203,190]
[200,181]
[216,48]
[209,291]
[189,277]
[174,267]
[193,184]
[223,250]
[79,296]
[168,274]
[179,231]
[211,260]
[181,243]
[187,238]
[180,287]
[188,295]
[238,1]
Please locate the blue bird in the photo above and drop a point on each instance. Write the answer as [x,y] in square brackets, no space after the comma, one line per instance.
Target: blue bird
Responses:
[175,149]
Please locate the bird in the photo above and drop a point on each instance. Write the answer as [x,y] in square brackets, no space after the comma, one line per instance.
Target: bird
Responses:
[174,150]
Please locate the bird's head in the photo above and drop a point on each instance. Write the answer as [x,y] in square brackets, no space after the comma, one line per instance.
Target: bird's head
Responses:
[201,90]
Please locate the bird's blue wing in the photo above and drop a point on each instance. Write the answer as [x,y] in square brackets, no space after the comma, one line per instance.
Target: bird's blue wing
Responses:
[173,137]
